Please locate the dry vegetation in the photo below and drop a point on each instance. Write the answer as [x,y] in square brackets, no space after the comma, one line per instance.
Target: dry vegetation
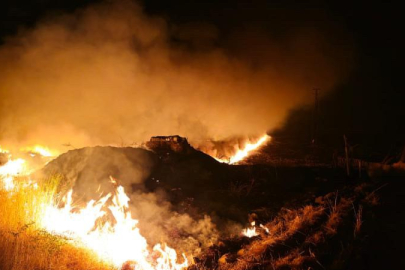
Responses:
[314,236]
[24,246]
[300,238]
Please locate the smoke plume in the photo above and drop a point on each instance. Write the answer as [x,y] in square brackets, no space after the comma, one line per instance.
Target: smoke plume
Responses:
[110,74]
[87,172]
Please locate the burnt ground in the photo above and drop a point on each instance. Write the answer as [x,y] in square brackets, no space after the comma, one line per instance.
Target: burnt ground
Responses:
[277,188]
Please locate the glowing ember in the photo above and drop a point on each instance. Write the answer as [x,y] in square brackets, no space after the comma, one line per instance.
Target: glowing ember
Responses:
[243,153]
[250,232]
[265,228]
[117,242]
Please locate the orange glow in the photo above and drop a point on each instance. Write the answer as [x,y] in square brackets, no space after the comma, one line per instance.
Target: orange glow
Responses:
[22,167]
[250,232]
[265,228]
[10,170]
[116,242]
[241,154]
[41,150]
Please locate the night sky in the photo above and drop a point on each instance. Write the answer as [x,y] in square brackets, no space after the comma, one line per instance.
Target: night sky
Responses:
[367,105]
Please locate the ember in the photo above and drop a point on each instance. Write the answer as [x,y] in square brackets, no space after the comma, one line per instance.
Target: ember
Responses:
[250,232]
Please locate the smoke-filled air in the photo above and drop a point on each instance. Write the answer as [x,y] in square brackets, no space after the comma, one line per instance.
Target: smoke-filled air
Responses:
[110,74]
[200,135]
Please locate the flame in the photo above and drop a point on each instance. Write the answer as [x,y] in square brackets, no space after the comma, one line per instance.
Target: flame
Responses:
[243,153]
[22,167]
[10,170]
[117,242]
[250,232]
[39,149]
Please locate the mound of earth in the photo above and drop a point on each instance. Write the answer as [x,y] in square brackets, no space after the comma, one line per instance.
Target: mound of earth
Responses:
[87,171]
[182,175]
[192,181]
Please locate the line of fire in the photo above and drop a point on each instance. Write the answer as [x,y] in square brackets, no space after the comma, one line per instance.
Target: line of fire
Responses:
[201,135]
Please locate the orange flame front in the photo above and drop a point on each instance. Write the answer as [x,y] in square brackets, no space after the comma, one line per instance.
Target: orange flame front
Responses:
[11,169]
[116,242]
[246,151]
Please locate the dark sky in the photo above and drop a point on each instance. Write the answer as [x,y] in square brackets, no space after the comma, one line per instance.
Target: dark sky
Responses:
[375,25]
[369,21]
[369,102]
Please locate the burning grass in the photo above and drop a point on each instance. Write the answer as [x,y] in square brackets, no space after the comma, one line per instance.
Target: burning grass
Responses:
[40,230]
[37,249]
[38,234]
[25,245]
[295,238]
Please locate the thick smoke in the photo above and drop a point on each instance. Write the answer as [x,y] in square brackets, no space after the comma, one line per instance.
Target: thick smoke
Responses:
[160,224]
[109,74]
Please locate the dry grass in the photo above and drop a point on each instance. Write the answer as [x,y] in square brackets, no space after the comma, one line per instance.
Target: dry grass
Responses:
[358,217]
[38,250]
[24,246]
[337,210]
[239,189]
[315,236]
[287,224]
[294,260]
[372,199]
[297,235]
